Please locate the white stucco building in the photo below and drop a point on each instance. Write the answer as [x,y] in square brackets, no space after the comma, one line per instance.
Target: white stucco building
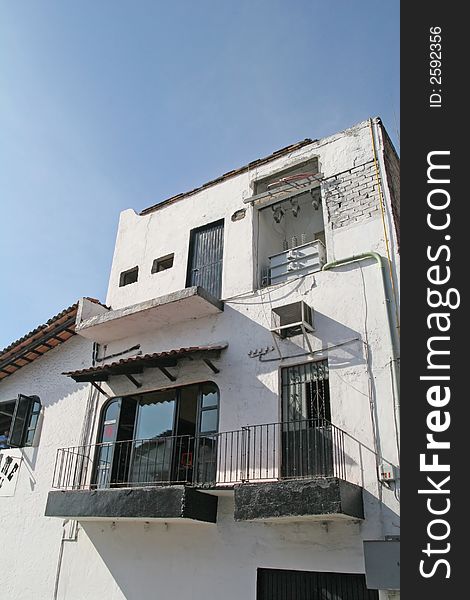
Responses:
[226,424]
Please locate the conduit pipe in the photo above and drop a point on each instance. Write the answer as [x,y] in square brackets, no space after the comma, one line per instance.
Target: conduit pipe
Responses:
[395,355]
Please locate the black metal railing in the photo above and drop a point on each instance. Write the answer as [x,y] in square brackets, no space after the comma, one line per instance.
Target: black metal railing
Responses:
[290,450]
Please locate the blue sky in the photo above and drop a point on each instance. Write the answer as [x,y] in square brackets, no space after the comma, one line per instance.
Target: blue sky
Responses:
[114,104]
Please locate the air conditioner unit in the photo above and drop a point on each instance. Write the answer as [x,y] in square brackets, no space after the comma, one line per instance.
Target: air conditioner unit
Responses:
[292,319]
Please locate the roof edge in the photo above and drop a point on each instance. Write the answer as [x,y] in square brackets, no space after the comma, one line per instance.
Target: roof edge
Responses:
[253,164]
[25,350]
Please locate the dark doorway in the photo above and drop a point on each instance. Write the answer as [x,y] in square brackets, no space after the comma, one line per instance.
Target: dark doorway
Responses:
[280,584]
[307,449]
[206,249]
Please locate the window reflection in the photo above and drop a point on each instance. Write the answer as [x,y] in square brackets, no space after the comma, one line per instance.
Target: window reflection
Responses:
[163,436]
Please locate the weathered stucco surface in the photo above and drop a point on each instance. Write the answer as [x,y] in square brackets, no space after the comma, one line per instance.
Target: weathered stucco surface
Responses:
[125,560]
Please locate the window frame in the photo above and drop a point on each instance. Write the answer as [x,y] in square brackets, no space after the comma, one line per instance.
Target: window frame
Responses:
[162,259]
[322,364]
[24,435]
[199,436]
[124,274]
[200,408]
[203,409]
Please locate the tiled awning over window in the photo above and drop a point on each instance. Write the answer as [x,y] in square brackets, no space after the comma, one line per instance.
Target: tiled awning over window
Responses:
[137,364]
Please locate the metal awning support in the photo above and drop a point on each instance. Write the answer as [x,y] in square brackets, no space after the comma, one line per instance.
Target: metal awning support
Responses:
[211,365]
[167,373]
[133,380]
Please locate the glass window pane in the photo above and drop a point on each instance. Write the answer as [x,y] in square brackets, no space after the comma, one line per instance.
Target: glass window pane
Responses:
[33,420]
[112,412]
[210,395]
[209,420]
[29,437]
[110,421]
[156,414]
[19,421]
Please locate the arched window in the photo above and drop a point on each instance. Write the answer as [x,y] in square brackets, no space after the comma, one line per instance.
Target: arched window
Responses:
[162,436]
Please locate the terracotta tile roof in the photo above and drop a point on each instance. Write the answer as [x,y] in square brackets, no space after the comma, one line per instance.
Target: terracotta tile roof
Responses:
[252,165]
[136,364]
[39,341]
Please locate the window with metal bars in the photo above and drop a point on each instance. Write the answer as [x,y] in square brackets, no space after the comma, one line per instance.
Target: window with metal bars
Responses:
[306,392]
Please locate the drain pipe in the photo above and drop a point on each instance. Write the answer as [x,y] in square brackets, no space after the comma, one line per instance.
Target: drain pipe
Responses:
[395,355]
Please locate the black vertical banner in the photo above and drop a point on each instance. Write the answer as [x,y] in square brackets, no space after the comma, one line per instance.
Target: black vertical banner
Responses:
[435,243]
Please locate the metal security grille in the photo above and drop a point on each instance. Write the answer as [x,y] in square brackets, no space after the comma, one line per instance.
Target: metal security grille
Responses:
[279,584]
[306,392]
[205,258]
[307,436]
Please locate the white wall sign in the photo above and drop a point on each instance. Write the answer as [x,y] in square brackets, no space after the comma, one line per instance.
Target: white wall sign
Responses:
[10,462]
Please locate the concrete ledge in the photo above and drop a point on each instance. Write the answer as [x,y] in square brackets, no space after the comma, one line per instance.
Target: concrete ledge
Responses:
[329,498]
[182,305]
[168,503]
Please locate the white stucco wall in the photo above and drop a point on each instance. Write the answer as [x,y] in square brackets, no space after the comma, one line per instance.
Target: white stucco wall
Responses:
[137,560]
[29,540]
[141,239]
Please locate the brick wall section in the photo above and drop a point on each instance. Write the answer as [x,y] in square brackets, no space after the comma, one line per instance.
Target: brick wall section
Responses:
[352,197]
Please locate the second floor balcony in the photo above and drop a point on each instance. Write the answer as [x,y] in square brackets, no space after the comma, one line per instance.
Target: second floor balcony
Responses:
[297,469]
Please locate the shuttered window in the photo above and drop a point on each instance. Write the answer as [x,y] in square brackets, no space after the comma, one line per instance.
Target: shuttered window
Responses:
[206,257]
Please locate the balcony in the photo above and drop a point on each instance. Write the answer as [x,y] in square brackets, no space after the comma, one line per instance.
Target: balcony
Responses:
[101,325]
[295,470]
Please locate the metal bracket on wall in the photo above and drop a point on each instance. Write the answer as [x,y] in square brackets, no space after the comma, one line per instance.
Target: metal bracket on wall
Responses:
[211,365]
[167,373]
[306,338]
[259,352]
[133,380]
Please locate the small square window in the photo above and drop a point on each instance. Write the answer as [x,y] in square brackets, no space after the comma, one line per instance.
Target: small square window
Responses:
[163,263]
[129,276]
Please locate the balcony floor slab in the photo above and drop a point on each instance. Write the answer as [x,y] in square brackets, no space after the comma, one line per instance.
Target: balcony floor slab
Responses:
[297,500]
[182,305]
[168,503]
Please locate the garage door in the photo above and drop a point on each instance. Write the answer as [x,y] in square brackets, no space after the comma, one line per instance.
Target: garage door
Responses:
[279,584]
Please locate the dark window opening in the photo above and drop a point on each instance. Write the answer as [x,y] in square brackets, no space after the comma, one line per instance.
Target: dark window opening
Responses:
[18,421]
[159,437]
[129,276]
[291,228]
[163,263]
